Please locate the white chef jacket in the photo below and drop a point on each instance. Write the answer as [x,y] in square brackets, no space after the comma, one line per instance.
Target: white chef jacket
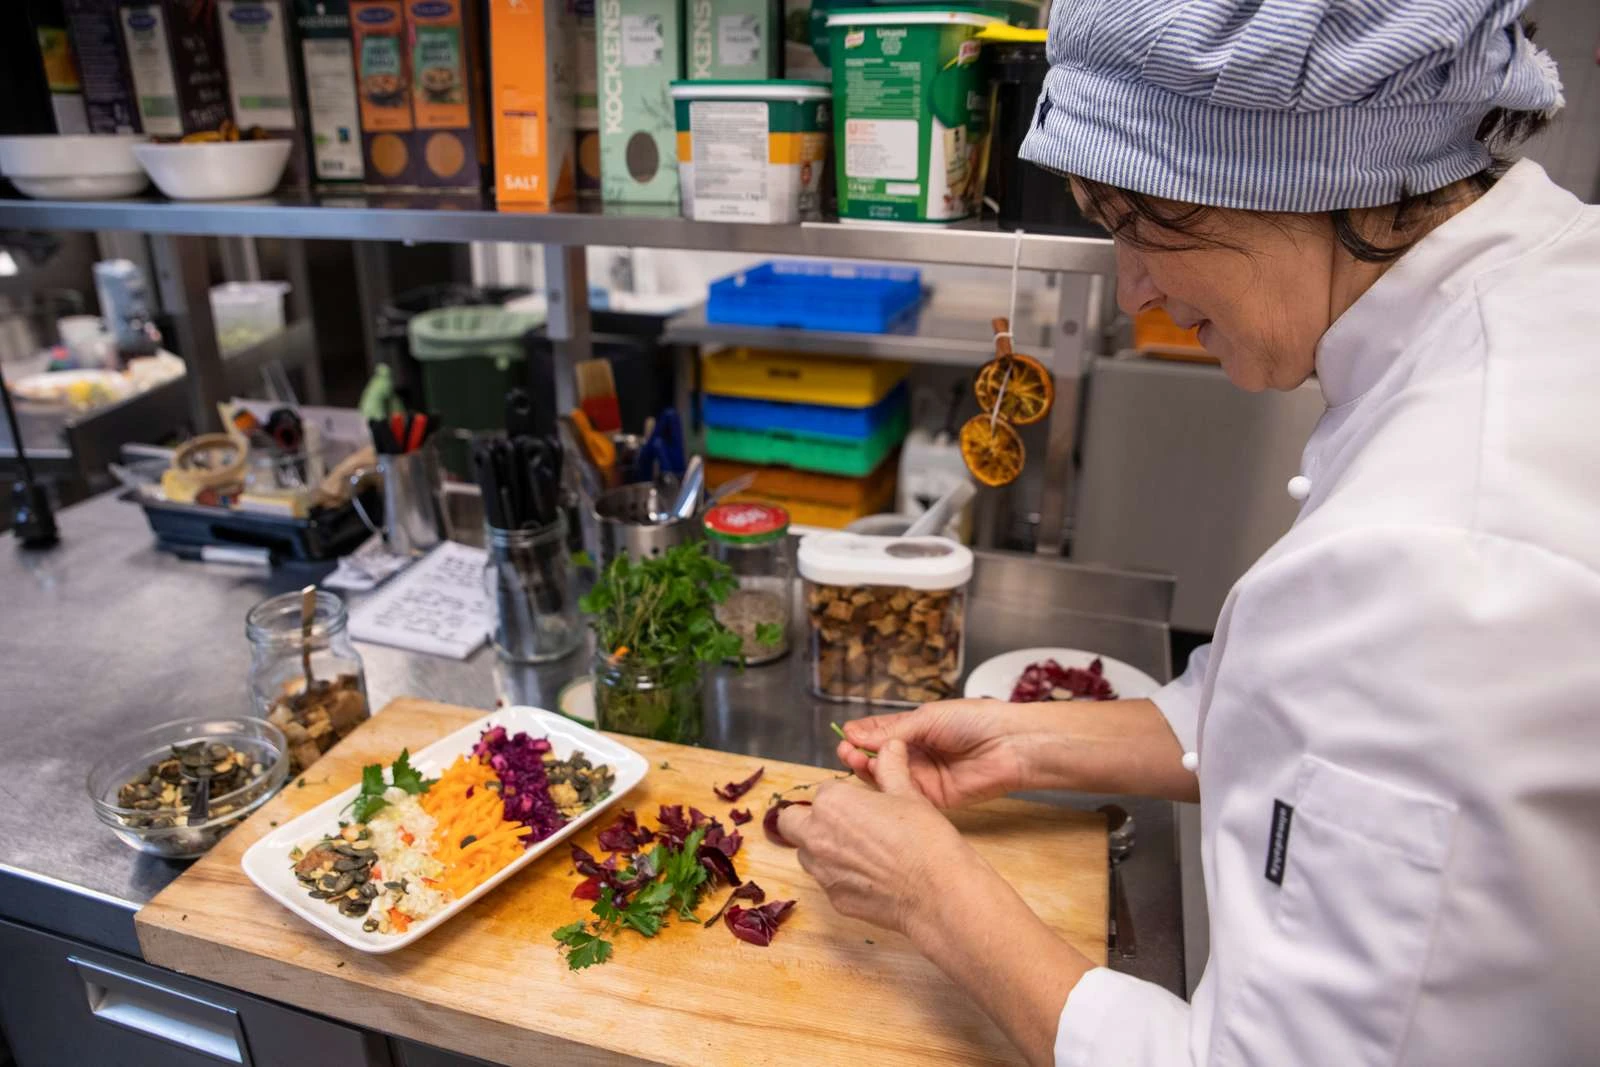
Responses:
[1414,670]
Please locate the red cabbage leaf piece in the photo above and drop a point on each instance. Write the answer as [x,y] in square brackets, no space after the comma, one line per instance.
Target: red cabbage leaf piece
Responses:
[740,817]
[749,891]
[718,863]
[719,839]
[588,889]
[734,790]
[625,835]
[758,925]
[769,822]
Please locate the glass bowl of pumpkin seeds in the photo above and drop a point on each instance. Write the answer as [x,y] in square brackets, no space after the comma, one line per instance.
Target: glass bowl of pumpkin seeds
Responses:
[173,790]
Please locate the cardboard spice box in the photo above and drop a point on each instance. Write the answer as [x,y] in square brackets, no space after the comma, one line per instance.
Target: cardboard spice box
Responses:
[103,66]
[262,77]
[419,73]
[174,52]
[639,53]
[534,78]
[328,78]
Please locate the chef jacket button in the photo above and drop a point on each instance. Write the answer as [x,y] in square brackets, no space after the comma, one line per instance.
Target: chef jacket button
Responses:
[1191,762]
[1299,487]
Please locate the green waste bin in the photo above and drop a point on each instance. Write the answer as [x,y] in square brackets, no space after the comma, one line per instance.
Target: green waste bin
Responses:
[470,357]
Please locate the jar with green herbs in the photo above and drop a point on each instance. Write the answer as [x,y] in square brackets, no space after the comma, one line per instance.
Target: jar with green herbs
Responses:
[656,631]
[753,540]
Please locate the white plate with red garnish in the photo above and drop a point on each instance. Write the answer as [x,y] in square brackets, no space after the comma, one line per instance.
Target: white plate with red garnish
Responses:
[272,862]
[1041,674]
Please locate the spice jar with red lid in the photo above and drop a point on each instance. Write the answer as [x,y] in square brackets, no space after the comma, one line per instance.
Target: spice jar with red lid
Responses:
[753,540]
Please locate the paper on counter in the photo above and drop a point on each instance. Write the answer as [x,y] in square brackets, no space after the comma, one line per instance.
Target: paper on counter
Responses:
[438,605]
[366,568]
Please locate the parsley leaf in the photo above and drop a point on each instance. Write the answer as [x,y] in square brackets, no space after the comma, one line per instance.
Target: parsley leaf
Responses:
[769,634]
[408,777]
[684,874]
[582,948]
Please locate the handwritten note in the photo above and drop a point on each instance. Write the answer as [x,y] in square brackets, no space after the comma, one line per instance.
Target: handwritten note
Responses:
[438,605]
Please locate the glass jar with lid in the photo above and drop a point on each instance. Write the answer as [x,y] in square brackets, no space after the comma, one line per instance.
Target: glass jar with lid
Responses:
[753,540]
[306,677]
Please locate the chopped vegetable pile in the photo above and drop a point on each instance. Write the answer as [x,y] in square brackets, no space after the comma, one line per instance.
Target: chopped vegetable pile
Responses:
[642,890]
[1051,681]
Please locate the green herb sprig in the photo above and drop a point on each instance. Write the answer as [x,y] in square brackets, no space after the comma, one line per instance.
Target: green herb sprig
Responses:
[682,879]
[661,612]
[402,775]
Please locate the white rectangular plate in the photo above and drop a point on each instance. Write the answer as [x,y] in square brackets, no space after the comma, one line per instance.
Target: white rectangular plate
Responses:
[268,865]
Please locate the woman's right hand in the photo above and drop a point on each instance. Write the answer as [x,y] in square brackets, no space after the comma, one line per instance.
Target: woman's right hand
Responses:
[962,751]
[968,751]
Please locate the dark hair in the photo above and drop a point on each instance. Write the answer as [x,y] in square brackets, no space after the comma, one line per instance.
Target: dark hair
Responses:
[1501,131]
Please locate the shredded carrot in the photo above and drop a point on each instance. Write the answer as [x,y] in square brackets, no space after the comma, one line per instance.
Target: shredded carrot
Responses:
[472,838]
[400,919]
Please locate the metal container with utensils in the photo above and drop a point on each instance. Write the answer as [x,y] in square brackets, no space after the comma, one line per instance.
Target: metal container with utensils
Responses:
[528,573]
[637,520]
[412,520]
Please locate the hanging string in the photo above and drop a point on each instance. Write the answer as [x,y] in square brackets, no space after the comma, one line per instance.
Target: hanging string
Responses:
[1010,332]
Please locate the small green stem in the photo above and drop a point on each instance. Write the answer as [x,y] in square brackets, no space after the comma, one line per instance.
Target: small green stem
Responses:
[840,731]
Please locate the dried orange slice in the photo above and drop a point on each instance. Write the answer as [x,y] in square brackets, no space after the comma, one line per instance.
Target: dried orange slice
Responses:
[992,450]
[1029,394]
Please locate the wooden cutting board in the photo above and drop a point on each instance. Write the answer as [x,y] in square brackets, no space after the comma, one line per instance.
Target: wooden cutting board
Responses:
[490,982]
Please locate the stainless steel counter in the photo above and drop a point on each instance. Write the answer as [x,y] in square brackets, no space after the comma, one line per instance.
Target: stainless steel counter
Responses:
[105,635]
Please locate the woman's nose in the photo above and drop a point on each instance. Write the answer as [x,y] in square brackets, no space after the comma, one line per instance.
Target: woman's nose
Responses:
[1136,290]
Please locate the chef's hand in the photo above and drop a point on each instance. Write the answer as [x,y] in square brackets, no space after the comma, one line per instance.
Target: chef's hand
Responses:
[959,751]
[881,855]
[967,751]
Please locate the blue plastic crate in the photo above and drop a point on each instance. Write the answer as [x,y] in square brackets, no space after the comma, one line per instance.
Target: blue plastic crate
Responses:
[847,297]
[815,420]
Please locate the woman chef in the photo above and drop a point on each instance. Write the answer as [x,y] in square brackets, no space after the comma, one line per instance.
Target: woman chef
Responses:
[1395,735]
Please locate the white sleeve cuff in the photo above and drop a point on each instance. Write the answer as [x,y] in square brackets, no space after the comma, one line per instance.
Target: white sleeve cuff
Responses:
[1116,1020]
[1179,699]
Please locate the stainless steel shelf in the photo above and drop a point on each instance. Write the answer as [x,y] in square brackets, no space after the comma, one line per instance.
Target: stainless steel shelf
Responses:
[929,336]
[473,218]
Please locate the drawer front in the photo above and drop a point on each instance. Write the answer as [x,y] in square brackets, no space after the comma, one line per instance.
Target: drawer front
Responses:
[64,1002]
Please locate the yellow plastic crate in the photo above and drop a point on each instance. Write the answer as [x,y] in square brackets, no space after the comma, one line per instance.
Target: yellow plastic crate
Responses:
[799,378]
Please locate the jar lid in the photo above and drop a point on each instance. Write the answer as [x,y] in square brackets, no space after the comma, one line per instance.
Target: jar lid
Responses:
[859,559]
[746,524]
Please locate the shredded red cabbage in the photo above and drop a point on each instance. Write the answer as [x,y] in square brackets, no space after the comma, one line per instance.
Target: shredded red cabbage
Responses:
[749,891]
[734,790]
[740,817]
[758,925]
[525,791]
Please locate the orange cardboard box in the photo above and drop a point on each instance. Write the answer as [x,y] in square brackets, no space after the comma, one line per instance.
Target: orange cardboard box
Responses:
[533,74]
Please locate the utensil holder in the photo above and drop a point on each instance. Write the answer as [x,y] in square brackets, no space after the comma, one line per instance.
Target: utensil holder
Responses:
[633,520]
[529,575]
[412,520]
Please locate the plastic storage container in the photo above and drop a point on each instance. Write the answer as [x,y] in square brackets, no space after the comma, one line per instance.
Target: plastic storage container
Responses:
[810,499]
[247,313]
[799,378]
[847,297]
[753,540]
[886,617]
[752,151]
[849,456]
[911,112]
[737,413]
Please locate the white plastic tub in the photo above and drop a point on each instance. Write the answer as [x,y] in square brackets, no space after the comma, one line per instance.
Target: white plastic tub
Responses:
[247,313]
[752,151]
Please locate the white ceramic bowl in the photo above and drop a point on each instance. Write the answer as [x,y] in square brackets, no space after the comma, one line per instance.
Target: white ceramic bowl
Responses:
[215,170]
[73,166]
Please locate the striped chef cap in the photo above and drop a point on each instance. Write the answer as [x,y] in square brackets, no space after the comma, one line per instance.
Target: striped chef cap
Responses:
[1282,105]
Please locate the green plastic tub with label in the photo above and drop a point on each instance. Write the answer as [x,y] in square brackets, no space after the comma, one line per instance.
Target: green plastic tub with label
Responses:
[911,112]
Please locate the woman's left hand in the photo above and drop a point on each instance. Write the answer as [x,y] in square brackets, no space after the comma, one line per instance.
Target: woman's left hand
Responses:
[884,856]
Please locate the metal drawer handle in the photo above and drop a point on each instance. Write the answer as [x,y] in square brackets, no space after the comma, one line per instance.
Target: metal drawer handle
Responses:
[148,1008]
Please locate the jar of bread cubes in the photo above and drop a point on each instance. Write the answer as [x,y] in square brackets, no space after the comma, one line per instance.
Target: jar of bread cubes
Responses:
[886,617]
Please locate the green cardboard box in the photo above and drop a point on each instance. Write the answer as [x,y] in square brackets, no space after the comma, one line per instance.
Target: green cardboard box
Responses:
[734,40]
[639,53]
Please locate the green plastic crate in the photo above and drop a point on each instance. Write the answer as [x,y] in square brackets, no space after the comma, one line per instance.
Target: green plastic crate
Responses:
[470,357]
[853,457]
